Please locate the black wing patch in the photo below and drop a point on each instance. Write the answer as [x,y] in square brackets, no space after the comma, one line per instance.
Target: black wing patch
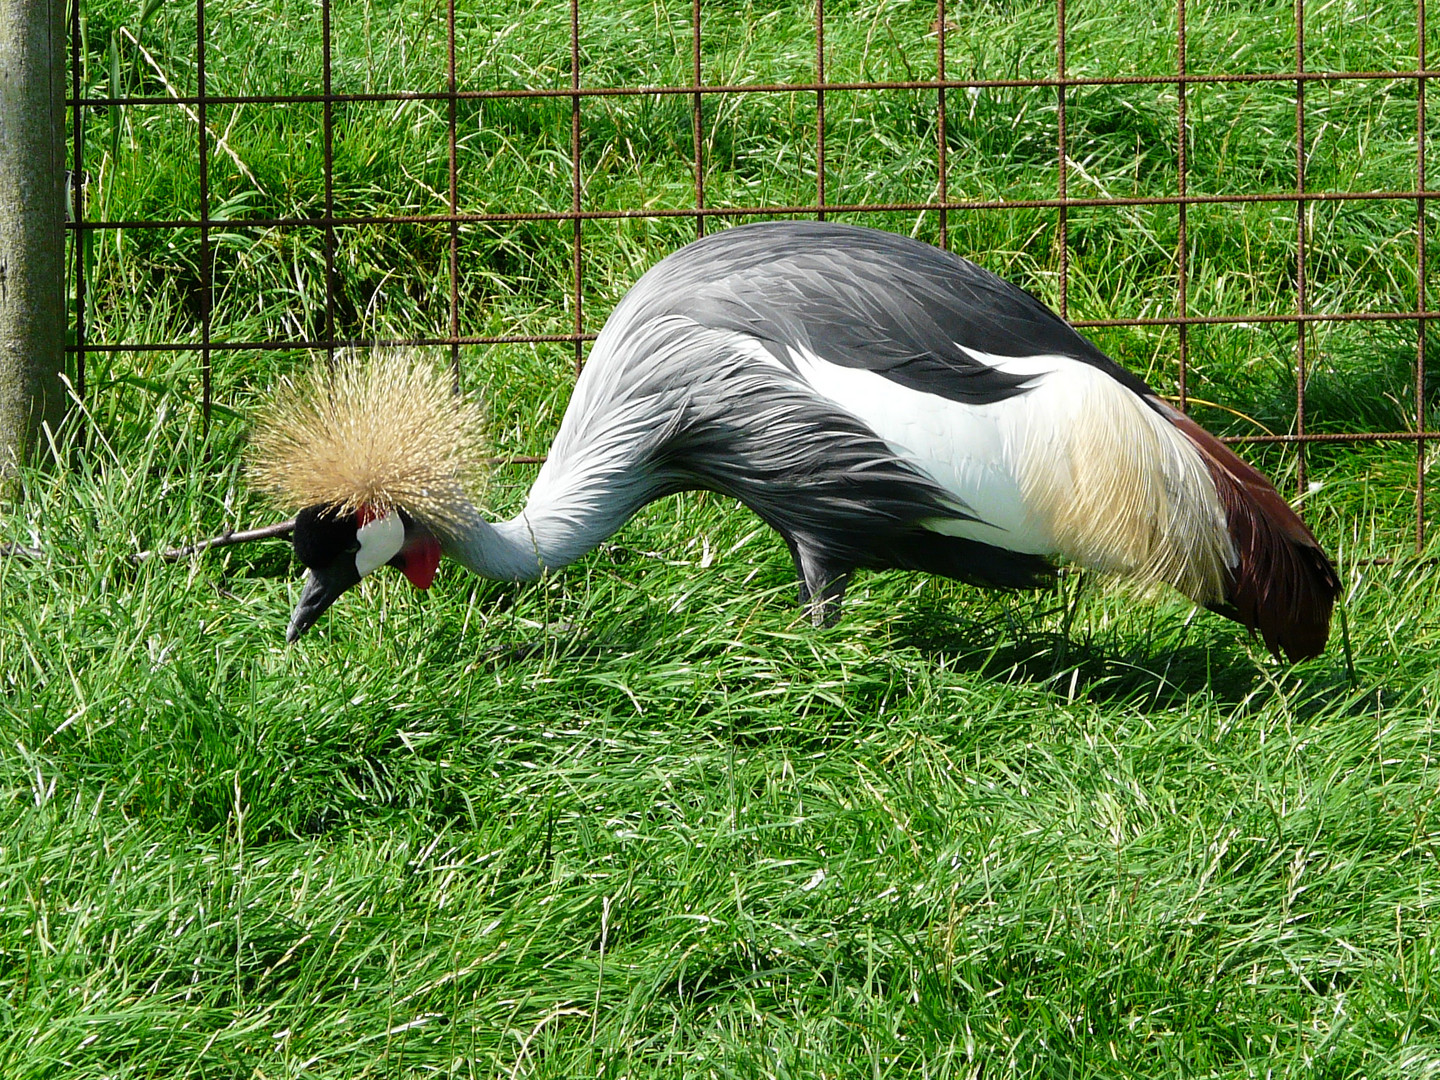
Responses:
[866,299]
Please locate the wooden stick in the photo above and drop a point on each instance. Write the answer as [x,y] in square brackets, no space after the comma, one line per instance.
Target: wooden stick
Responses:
[225,539]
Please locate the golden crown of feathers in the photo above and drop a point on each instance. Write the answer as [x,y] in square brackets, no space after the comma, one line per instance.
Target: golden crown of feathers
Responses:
[385,429]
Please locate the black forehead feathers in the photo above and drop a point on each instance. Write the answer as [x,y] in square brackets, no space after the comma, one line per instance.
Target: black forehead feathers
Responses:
[323,533]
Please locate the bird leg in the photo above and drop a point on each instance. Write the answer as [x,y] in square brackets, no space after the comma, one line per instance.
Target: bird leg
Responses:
[799,570]
[822,585]
[825,600]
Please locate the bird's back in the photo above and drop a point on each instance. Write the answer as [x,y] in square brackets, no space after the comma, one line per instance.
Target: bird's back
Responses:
[861,298]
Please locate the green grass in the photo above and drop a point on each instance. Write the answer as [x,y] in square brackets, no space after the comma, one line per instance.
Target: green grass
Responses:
[641,819]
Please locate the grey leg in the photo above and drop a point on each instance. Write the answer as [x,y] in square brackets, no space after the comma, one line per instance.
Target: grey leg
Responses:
[822,583]
[799,571]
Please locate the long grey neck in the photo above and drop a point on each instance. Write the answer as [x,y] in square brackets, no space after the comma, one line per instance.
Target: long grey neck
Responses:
[565,518]
[505,551]
[600,470]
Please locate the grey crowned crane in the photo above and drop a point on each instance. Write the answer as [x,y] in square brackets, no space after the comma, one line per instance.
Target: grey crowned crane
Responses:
[875,400]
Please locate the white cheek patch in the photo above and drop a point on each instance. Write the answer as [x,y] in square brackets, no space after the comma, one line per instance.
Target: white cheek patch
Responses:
[380,541]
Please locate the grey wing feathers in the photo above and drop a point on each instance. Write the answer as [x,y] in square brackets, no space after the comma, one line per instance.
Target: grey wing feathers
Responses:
[866,299]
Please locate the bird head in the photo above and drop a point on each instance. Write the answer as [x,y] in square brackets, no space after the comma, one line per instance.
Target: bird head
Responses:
[339,548]
[379,458]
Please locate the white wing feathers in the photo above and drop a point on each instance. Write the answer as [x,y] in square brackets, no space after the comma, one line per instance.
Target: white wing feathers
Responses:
[1076,466]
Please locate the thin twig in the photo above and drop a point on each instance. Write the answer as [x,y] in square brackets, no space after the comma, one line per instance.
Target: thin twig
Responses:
[225,539]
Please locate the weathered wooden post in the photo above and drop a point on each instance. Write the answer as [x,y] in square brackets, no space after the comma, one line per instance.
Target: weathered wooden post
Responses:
[32,222]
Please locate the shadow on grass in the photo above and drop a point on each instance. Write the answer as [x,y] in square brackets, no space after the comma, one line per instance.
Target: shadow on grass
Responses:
[1159,670]
[1171,662]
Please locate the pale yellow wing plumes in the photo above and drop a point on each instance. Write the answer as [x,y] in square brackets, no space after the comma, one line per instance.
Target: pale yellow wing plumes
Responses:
[1124,491]
[384,429]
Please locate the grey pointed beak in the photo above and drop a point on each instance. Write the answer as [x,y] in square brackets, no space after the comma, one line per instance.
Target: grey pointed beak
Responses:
[322,588]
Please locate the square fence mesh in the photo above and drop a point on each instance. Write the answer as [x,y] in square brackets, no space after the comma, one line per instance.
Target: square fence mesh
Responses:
[1048,147]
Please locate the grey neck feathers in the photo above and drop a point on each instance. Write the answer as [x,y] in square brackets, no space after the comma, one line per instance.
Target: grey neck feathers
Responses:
[568,514]
[506,551]
[605,462]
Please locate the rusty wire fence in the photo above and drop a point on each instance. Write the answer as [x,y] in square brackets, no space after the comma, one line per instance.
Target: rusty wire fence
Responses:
[944,91]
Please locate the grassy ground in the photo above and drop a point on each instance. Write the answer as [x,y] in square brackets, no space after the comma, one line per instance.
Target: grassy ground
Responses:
[640,819]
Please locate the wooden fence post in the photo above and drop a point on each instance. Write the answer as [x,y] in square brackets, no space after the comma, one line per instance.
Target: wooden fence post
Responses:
[32,223]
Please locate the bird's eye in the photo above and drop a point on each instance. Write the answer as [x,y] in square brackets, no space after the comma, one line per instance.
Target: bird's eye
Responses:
[324,534]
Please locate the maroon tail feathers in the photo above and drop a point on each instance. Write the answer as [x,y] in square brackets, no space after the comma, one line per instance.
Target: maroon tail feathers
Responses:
[1284,585]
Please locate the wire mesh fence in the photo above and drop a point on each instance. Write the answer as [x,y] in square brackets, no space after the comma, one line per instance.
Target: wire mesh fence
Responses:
[1054,118]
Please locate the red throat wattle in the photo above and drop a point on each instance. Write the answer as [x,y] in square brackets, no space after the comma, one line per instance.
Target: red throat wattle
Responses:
[419,559]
